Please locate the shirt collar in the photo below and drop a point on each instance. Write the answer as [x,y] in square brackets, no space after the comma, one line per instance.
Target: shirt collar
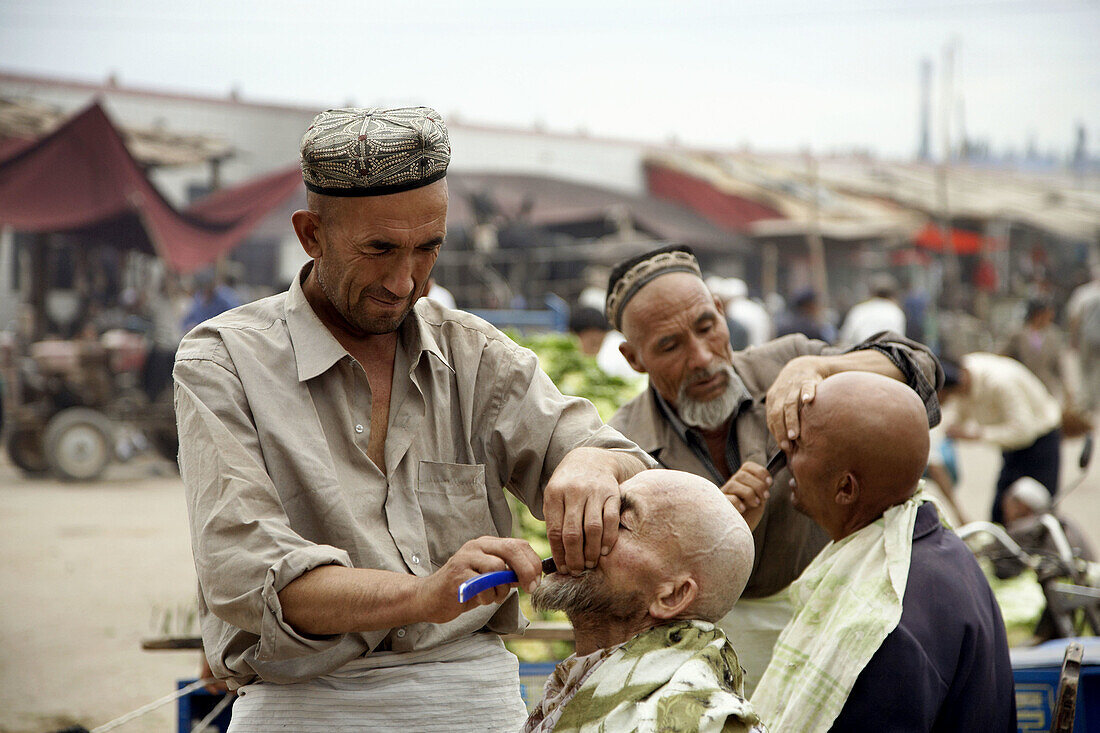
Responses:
[316,349]
[418,333]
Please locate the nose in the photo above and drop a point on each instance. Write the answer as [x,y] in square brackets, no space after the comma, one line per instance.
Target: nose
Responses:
[699,353]
[399,277]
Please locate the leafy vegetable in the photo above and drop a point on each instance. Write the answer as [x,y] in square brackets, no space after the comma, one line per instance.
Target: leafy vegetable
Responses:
[577,375]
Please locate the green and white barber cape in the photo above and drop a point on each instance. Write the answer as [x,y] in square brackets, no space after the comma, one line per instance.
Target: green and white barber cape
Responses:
[681,677]
[846,603]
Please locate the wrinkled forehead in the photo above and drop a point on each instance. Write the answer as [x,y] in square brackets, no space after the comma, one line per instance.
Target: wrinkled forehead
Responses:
[676,296]
[648,498]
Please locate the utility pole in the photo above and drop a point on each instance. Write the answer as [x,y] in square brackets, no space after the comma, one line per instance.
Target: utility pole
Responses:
[814,241]
[924,149]
[951,285]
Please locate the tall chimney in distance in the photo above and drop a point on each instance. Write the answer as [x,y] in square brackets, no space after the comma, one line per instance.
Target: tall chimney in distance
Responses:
[924,149]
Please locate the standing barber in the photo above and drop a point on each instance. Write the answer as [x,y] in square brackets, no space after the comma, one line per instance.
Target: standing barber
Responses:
[705,413]
[345,447]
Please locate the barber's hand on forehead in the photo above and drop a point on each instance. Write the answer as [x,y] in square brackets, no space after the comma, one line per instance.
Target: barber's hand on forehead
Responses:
[795,386]
[439,593]
[748,491]
[581,506]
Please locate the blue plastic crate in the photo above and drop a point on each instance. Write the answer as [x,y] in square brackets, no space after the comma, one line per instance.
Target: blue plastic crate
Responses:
[532,678]
[1036,671]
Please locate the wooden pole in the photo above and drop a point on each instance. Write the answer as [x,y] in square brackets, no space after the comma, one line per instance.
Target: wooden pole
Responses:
[951,283]
[814,241]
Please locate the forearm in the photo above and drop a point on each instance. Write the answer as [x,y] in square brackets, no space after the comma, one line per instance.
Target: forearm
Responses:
[939,473]
[336,600]
[865,360]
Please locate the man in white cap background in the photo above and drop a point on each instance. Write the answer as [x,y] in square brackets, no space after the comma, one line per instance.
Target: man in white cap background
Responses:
[1025,504]
[752,316]
[880,312]
[345,447]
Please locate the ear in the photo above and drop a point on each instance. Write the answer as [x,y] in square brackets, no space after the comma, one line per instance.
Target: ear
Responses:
[306,225]
[631,355]
[847,490]
[719,305]
[674,598]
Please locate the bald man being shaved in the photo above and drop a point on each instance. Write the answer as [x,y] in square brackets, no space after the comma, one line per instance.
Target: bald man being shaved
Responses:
[649,656]
[895,626]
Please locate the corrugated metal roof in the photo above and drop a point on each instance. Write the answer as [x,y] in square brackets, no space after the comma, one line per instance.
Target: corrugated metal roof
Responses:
[25,120]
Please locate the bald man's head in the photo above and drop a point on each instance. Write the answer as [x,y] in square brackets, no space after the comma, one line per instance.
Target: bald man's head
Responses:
[683,552]
[700,533]
[863,448]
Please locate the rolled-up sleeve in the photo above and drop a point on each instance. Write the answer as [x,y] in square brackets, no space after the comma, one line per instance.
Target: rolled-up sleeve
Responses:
[531,425]
[916,362]
[245,551]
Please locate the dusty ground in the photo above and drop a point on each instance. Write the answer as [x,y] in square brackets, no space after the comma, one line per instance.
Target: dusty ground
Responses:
[92,569]
[89,570]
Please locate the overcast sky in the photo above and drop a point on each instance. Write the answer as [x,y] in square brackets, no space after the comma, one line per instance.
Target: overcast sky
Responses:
[774,74]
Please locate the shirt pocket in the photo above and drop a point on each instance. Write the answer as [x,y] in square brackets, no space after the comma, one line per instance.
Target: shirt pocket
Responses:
[455,506]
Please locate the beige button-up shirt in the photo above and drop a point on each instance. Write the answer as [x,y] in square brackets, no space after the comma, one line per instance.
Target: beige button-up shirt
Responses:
[274,423]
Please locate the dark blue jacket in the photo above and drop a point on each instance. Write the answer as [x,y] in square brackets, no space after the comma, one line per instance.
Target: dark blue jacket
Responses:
[946,666]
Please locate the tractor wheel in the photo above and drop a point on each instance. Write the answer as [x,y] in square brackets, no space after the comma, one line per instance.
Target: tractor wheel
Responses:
[79,443]
[26,449]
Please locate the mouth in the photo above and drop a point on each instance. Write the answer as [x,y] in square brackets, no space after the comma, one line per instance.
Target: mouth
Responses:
[704,386]
[391,304]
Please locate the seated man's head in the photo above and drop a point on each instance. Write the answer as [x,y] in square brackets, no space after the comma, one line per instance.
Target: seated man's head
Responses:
[591,327]
[956,381]
[862,449]
[683,552]
[676,333]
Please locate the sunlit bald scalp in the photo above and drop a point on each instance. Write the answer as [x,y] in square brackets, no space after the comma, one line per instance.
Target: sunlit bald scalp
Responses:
[875,427]
[700,533]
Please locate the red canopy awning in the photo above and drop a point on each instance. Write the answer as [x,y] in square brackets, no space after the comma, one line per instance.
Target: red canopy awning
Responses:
[727,210]
[964,242]
[81,177]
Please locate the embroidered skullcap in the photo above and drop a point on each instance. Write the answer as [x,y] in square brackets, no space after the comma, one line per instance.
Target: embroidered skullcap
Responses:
[629,276]
[369,151]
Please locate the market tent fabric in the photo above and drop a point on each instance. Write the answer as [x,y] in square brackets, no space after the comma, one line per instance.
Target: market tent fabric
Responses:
[727,210]
[81,178]
[964,242]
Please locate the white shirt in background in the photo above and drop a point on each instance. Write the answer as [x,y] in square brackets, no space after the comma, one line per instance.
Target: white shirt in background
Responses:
[869,317]
[611,360]
[754,317]
[441,295]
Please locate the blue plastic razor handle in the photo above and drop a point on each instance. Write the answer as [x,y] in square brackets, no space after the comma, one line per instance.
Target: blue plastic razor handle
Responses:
[485,581]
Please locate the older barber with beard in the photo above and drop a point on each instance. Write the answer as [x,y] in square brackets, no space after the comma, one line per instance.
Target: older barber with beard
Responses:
[708,411]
